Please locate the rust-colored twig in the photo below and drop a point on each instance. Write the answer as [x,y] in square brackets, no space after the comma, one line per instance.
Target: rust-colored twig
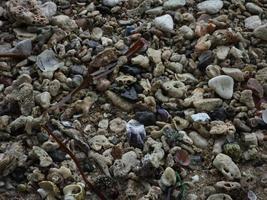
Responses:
[48,129]
[13,55]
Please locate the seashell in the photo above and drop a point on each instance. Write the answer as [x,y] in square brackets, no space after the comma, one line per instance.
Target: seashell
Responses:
[182,157]
[47,61]
[226,166]
[136,133]
[163,115]
[227,185]
[164,23]
[74,192]
[55,177]
[104,58]
[126,79]
[174,88]
[48,190]
[223,86]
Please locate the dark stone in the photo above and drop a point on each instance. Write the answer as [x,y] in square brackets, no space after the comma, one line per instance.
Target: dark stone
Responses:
[19,174]
[78,69]
[91,43]
[132,70]
[163,115]
[103,10]
[218,114]
[205,59]
[138,88]
[88,166]
[145,117]
[57,155]
[129,30]
[42,137]
[130,94]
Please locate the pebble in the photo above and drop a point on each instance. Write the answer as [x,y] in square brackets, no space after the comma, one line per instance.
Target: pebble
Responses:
[47,61]
[135,133]
[98,142]
[223,85]
[49,9]
[252,22]
[222,52]
[207,104]
[145,117]
[64,22]
[44,158]
[253,8]
[219,196]
[173,4]
[110,3]
[261,32]
[141,60]
[43,99]
[164,23]
[198,140]
[168,177]
[210,6]
[97,33]
[235,73]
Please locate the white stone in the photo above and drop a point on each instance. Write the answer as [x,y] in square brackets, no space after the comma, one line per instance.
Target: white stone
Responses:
[210,6]
[252,22]
[168,177]
[187,32]
[110,3]
[172,4]
[226,166]
[154,55]
[164,23]
[141,60]
[43,99]
[49,9]
[97,33]
[222,52]
[223,85]
[261,32]
[200,117]
[64,22]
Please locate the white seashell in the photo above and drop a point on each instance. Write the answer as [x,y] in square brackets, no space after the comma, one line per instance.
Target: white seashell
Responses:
[223,85]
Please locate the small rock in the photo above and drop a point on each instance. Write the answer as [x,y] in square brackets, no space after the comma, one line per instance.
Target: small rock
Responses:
[164,23]
[261,74]
[42,155]
[117,125]
[98,142]
[110,3]
[256,87]
[187,32]
[155,11]
[247,98]
[132,70]
[168,177]
[49,9]
[64,22]
[227,167]
[154,55]
[159,69]
[54,87]
[207,104]
[222,52]
[97,33]
[205,59]
[103,124]
[23,47]
[261,32]
[43,99]
[130,94]
[200,117]
[223,86]
[198,140]
[235,73]
[145,117]
[140,60]
[210,6]
[173,4]
[253,8]
[252,22]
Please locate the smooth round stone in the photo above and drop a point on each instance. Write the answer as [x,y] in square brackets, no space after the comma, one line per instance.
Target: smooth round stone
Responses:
[261,32]
[49,9]
[168,177]
[210,6]
[164,23]
[198,140]
[223,85]
[145,117]
[253,8]
[252,22]
[110,3]
[172,4]
[235,73]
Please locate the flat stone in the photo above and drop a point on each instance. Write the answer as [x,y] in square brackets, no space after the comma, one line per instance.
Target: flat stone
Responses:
[253,8]
[261,32]
[164,23]
[235,73]
[210,6]
[173,4]
[207,104]
[168,177]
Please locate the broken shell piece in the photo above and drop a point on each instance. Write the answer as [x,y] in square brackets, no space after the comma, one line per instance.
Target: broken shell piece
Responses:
[47,61]
[126,79]
[182,157]
[227,167]
[118,101]
[223,86]
[213,71]
[174,88]
[227,185]
[48,190]
[98,142]
[74,192]
[219,196]
[136,133]
[42,155]
[168,177]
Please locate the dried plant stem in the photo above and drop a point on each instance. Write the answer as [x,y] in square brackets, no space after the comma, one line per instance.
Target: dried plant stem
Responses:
[13,55]
[48,129]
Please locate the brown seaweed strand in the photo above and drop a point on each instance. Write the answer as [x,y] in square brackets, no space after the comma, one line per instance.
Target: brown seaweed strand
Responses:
[48,128]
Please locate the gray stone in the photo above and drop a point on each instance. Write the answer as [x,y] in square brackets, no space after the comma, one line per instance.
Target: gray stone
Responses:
[252,22]
[49,9]
[64,22]
[43,99]
[253,8]
[47,61]
[173,4]
[261,32]
[164,23]
[207,104]
[110,3]
[210,6]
